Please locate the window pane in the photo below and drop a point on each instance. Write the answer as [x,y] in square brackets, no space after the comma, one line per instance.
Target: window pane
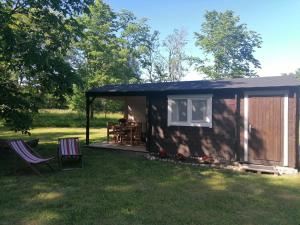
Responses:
[179,110]
[199,110]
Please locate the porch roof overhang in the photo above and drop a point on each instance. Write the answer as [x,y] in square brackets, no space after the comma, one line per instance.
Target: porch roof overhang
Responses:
[193,86]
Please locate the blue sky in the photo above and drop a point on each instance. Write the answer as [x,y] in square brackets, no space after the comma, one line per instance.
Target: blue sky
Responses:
[278,22]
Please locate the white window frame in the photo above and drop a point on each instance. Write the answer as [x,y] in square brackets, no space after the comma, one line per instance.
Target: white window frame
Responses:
[189,122]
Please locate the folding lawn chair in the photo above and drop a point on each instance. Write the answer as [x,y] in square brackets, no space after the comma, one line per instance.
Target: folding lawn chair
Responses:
[31,157]
[68,149]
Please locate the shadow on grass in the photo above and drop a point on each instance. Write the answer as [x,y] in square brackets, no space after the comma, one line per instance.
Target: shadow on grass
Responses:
[52,134]
[120,188]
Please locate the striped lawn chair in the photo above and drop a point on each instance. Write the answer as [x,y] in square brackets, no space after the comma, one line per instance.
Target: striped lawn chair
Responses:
[31,157]
[68,149]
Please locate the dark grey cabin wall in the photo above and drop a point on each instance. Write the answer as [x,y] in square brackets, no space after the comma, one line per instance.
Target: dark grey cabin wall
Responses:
[225,140]
[218,141]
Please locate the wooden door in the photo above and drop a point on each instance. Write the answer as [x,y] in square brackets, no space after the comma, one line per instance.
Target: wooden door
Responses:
[265,127]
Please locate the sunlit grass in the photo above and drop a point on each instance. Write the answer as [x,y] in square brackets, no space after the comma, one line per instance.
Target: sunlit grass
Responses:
[50,135]
[69,118]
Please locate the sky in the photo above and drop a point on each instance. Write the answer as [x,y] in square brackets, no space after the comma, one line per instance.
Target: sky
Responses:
[277,21]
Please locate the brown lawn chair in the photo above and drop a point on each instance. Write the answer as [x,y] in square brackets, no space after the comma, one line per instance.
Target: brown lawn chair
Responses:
[132,133]
[113,129]
[137,134]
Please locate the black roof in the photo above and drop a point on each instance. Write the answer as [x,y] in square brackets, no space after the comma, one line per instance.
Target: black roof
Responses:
[203,85]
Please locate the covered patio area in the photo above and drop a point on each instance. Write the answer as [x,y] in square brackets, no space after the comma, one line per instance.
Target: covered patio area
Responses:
[130,132]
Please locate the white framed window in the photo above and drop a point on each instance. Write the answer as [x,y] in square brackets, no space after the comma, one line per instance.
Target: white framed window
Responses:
[190,110]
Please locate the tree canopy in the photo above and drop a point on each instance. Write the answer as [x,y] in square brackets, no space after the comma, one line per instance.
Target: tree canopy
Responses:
[168,60]
[114,49]
[296,73]
[34,39]
[228,46]
[52,51]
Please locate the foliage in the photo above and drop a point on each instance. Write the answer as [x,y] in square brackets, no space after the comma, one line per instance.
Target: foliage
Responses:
[52,51]
[52,101]
[229,46]
[34,39]
[168,61]
[151,59]
[296,73]
[76,101]
[176,57]
[16,106]
[110,105]
[114,48]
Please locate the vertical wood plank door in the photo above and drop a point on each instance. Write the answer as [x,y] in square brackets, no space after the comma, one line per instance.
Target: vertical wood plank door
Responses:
[266,127]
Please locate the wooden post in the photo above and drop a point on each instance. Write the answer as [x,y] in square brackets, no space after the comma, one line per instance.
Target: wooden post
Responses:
[107,132]
[87,108]
[92,111]
[148,123]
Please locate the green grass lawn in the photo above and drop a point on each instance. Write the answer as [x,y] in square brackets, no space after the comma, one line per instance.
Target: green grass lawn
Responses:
[68,118]
[122,188]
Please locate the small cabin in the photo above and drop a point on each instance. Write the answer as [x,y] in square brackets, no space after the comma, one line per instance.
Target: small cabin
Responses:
[252,120]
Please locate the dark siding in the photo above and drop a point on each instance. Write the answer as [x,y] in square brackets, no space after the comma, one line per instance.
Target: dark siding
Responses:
[219,141]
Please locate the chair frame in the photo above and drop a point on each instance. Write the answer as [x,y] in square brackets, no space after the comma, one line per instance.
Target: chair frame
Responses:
[111,129]
[131,133]
[61,157]
[32,151]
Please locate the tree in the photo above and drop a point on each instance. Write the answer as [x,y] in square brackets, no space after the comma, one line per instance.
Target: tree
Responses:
[228,46]
[150,58]
[296,73]
[176,60]
[167,61]
[15,105]
[113,49]
[34,39]
[113,46]
[134,41]
[98,47]
[160,69]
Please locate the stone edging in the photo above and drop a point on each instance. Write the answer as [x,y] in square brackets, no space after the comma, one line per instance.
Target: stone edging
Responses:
[153,157]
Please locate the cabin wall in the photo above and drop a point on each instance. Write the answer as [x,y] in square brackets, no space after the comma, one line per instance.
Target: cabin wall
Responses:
[225,140]
[218,141]
[292,129]
[135,109]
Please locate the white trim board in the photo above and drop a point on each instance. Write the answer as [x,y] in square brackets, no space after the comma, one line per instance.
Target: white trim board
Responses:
[285,121]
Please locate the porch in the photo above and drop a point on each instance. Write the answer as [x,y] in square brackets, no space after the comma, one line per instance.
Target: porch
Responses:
[117,146]
[129,132]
